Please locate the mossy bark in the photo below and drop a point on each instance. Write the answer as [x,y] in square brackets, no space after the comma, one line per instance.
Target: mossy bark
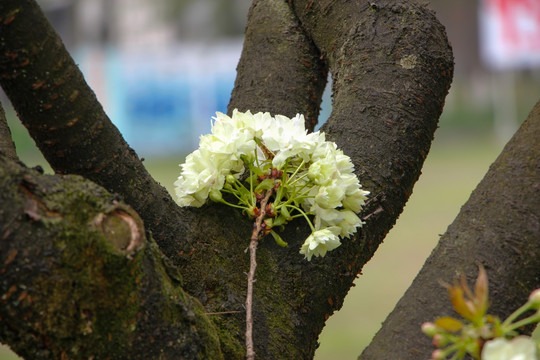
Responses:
[79,280]
[499,228]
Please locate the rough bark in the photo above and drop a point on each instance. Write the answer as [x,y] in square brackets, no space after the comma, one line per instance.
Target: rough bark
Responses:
[79,280]
[280,70]
[498,227]
[392,67]
[7,147]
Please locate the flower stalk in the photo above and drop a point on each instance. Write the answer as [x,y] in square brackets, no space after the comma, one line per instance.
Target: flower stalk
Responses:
[255,235]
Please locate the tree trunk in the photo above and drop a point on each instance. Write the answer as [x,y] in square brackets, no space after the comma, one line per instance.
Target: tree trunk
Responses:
[382,57]
[498,227]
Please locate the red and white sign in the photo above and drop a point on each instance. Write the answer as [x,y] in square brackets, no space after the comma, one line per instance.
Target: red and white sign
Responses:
[510,33]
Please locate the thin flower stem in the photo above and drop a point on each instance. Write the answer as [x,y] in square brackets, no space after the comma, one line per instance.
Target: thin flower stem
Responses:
[233,205]
[507,323]
[299,190]
[238,197]
[251,194]
[530,320]
[305,215]
[291,199]
[257,227]
[296,171]
[451,349]
[300,178]
[239,187]
[296,216]
[279,195]
[256,159]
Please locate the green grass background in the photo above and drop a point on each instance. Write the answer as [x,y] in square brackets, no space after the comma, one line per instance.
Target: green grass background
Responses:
[460,156]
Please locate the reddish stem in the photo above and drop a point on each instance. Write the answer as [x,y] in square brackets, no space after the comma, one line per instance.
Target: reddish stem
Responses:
[257,229]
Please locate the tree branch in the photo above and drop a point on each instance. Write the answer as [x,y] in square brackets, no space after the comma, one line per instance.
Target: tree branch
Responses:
[499,228]
[77,283]
[255,235]
[285,55]
[7,147]
[69,125]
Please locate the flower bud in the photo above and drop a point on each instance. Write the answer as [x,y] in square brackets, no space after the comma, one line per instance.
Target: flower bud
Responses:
[252,212]
[270,210]
[215,195]
[437,355]
[230,179]
[430,329]
[269,223]
[534,299]
[439,340]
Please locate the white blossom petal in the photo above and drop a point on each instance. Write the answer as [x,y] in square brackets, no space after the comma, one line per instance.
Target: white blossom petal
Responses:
[519,348]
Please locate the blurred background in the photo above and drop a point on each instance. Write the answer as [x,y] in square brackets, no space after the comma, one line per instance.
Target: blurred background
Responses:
[162,68]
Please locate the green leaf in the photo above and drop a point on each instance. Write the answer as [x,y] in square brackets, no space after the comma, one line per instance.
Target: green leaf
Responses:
[278,239]
[285,212]
[266,184]
[449,323]
[280,220]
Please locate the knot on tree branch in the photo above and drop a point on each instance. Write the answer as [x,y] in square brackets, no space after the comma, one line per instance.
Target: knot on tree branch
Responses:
[122,227]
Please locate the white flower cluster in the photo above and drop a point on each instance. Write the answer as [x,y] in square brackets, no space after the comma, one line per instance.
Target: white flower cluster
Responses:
[317,179]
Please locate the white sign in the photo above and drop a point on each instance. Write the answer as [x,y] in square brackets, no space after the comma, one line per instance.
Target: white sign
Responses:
[510,33]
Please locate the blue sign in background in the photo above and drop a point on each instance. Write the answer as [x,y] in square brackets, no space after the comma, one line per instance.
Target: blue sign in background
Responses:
[162,101]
